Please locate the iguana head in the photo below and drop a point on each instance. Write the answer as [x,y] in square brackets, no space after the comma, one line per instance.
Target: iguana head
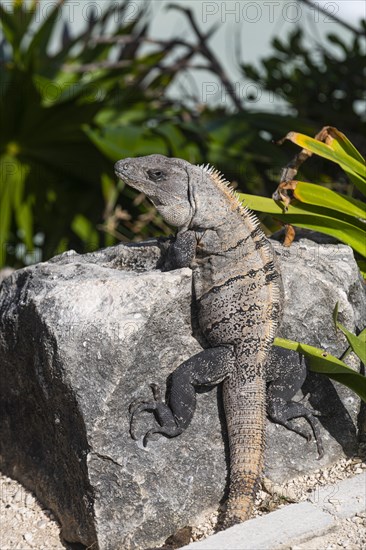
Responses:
[165,181]
[187,196]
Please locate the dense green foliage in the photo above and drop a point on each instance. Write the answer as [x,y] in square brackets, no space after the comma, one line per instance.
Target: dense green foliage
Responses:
[323,84]
[54,181]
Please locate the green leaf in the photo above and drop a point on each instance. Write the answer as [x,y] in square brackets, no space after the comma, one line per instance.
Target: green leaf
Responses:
[335,315]
[23,208]
[12,177]
[343,145]
[9,27]
[16,24]
[23,13]
[109,189]
[128,140]
[338,155]
[324,363]
[173,137]
[348,230]
[356,179]
[24,219]
[5,209]
[311,193]
[85,230]
[357,343]
[41,38]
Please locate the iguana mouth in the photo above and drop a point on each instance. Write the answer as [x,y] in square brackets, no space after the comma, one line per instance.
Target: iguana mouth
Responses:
[156,202]
[120,169]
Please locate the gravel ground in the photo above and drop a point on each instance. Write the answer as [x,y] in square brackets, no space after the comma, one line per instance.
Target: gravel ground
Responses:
[25,524]
[350,534]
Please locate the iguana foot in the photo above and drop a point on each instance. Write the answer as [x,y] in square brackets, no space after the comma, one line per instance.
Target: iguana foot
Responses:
[207,367]
[306,434]
[168,425]
[283,412]
[305,401]
[287,370]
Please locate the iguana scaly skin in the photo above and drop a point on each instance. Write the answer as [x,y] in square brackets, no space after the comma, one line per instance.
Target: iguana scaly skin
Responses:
[238,295]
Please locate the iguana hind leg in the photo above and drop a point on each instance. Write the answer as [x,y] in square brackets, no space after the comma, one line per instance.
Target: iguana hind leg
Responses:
[290,375]
[209,367]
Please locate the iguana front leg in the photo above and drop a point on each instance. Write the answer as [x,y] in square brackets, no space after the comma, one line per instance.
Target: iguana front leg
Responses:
[181,251]
[208,367]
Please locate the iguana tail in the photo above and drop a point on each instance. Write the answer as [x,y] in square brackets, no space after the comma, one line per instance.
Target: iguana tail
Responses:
[244,402]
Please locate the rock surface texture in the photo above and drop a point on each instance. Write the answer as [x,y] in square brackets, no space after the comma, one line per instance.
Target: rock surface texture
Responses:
[81,337]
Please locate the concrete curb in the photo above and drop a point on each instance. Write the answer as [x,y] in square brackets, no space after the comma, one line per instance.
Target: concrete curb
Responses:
[295,523]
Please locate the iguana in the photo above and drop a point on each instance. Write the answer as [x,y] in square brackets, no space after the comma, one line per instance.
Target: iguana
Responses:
[238,296]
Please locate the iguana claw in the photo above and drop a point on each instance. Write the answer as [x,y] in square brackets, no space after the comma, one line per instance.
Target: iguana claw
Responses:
[168,424]
[138,406]
[148,436]
[135,409]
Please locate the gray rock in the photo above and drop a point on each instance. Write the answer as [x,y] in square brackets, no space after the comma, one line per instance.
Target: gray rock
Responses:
[83,336]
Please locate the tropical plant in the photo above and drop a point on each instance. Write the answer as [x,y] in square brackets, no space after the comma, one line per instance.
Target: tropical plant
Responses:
[317,207]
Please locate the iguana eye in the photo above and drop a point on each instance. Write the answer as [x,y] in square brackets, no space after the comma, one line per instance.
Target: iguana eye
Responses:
[156,175]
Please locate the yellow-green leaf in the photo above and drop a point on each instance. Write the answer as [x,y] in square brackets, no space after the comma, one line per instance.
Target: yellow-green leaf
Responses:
[343,231]
[328,151]
[342,143]
[346,228]
[357,343]
[264,204]
[311,193]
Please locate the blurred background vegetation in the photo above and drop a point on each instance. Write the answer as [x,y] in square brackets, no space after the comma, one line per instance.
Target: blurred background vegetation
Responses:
[68,112]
